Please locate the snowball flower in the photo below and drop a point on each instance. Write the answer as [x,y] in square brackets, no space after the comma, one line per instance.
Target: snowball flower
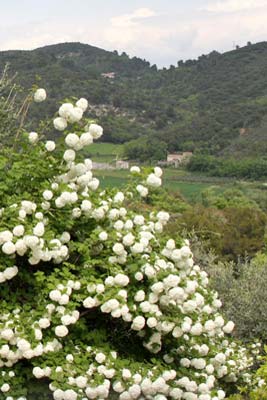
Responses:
[69,358]
[39,95]
[138,323]
[153,180]
[118,249]
[121,280]
[152,322]
[93,184]
[119,197]
[100,358]
[61,330]
[55,295]
[158,172]
[7,334]
[86,139]
[96,131]
[139,220]
[23,345]
[82,103]
[229,327]
[70,394]
[65,110]
[69,155]
[139,296]
[220,358]
[209,325]
[221,394]
[86,205]
[170,245]
[75,114]
[128,239]
[67,319]
[72,140]
[8,248]
[47,194]
[81,381]
[44,323]
[5,236]
[38,372]
[65,237]
[60,123]
[196,329]
[135,169]
[138,276]
[163,217]
[137,248]
[5,388]
[198,363]
[10,272]
[89,302]
[50,145]
[126,373]
[21,247]
[103,236]
[18,230]
[118,225]
[39,229]
[142,190]
[33,137]
[58,394]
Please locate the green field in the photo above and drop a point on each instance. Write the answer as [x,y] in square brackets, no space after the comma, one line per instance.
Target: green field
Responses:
[189,185]
[174,181]
[104,152]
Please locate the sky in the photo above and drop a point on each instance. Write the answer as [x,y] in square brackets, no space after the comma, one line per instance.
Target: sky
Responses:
[160,31]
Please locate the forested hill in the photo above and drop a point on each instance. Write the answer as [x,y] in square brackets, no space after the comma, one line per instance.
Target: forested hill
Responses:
[215,104]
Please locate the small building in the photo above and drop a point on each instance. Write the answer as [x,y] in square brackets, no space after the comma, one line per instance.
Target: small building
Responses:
[121,164]
[186,156]
[99,165]
[177,159]
[109,75]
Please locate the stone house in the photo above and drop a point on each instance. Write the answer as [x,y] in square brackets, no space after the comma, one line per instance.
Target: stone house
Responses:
[121,164]
[177,159]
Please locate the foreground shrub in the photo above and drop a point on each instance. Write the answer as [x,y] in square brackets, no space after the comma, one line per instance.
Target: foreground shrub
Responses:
[95,300]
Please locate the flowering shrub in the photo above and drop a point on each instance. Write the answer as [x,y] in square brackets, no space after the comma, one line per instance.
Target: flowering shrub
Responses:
[95,300]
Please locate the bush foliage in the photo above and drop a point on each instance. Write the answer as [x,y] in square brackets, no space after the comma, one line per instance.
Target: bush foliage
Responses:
[96,300]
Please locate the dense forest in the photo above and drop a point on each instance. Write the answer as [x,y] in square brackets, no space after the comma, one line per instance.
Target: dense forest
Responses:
[214,105]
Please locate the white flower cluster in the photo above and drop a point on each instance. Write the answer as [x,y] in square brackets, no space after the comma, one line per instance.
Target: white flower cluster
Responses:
[92,255]
[101,375]
[154,179]
[40,95]
[31,244]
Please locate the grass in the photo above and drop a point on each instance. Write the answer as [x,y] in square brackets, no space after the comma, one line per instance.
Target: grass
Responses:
[191,190]
[189,185]
[112,178]
[104,152]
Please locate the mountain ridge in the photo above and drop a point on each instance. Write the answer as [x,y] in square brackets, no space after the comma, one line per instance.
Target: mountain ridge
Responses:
[201,105]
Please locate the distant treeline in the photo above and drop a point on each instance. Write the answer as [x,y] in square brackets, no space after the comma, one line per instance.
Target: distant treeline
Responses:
[246,168]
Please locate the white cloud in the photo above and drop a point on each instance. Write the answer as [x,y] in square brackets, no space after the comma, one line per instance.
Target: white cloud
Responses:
[133,19]
[234,5]
[147,34]
[221,31]
[160,38]
[144,13]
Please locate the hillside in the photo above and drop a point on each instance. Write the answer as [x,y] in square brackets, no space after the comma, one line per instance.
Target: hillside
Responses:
[214,104]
